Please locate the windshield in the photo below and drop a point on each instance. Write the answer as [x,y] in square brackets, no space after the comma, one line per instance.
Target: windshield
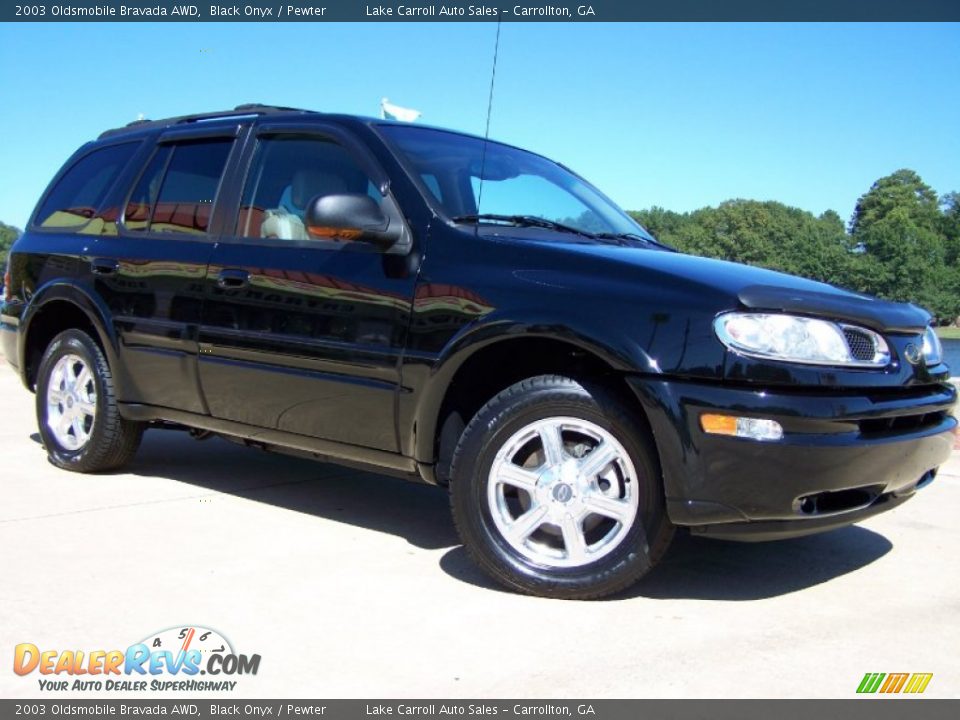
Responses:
[505,184]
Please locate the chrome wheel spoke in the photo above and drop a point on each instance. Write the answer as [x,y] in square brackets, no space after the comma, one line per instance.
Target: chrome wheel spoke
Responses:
[72,373]
[63,424]
[521,528]
[552,441]
[510,474]
[574,541]
[77,426]
[618,510]
[83,379]
[88,408]
[597,459]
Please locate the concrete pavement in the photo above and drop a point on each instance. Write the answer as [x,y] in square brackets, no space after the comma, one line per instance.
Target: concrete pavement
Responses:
[349,584]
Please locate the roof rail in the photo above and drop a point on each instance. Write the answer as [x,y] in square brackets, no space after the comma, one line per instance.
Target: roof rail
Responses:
[239,111]
[261,108]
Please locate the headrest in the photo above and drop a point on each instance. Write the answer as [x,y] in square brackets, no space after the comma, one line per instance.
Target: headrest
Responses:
[307,184]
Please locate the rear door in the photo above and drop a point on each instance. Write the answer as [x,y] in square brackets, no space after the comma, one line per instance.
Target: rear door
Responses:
[151,272]
[303,334]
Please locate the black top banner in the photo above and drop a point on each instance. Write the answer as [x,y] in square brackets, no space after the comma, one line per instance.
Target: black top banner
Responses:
[482,11]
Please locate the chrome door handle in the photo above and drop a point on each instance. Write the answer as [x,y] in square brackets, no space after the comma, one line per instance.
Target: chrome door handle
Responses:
[232,279]
[104,266]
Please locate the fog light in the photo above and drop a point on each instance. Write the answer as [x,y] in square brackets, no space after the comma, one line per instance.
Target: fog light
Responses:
[752,428]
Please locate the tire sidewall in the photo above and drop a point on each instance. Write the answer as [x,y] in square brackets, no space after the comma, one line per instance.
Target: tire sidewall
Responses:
[631,558]
[71,342]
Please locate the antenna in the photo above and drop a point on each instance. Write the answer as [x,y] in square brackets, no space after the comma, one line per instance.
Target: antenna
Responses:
[486,134]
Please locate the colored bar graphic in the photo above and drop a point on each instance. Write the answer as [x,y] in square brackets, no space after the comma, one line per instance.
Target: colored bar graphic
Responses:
[894,683]
[918,682]
[870,682]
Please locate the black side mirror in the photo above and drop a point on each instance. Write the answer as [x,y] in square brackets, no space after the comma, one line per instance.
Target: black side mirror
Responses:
[349,218]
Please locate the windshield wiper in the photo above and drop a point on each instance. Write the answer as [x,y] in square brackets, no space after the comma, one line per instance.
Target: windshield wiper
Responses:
[523,221]
[626,237]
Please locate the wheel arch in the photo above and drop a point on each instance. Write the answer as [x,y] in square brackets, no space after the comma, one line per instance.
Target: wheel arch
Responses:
[491,359]
[54,308]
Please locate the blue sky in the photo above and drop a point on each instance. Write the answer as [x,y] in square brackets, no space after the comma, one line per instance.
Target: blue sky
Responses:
[676,115]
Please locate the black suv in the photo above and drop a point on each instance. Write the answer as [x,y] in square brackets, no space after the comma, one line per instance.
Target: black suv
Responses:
[430,304]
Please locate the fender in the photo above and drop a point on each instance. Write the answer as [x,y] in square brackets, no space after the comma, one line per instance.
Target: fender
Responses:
[91,305]
[619,352]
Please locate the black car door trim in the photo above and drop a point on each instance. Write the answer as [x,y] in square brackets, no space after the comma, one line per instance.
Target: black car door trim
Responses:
[222,200]
[200,133]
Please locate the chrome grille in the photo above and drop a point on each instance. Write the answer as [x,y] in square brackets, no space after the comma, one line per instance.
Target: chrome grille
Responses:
[861,345]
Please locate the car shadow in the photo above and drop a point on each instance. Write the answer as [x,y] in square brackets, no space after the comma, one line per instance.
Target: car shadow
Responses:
[416,512]
[705,569]
[693,568]
[702,569]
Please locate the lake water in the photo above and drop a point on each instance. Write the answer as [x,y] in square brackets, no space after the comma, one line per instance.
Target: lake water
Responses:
[951,355]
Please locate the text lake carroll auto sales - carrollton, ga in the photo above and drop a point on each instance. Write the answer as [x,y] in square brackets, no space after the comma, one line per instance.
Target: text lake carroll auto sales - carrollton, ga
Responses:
[435,709]
[488,11]
[160,661]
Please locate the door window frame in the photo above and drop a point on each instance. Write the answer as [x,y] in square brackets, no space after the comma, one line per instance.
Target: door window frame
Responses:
[357,152]
[219,210]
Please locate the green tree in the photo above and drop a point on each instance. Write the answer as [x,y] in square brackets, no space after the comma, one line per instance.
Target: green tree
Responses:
[900,244]
[905,243]
[903,191]
[950,226]
[769,234]
[661,223]
[8,235]
[912,262]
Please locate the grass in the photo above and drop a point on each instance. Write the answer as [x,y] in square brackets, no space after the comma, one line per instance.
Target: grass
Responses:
[948,333]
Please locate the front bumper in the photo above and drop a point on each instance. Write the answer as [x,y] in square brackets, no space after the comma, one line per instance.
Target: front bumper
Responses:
[844,456]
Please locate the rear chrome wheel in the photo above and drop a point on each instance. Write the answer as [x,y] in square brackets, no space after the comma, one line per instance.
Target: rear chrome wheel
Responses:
[556,490]
[71,402]
[77,411]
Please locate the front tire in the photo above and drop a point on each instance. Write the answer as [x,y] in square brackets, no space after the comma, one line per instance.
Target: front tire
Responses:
[77,412]
[556,491]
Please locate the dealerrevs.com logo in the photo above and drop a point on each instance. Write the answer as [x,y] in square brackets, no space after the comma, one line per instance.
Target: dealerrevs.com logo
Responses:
[172,659]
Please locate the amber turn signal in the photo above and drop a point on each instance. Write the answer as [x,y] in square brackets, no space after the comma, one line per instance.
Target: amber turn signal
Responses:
[743,427]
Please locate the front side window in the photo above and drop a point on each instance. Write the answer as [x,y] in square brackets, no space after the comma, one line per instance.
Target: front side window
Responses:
[481,181]
[177,189]
[287,173]
[74,200]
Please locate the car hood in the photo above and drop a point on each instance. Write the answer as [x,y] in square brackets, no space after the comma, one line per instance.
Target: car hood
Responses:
[759,289]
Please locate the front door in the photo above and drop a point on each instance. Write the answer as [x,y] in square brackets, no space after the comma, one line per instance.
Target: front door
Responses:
[304,334]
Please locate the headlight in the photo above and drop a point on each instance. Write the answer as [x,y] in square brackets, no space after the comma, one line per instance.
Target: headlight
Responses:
[801,340]
[932,349]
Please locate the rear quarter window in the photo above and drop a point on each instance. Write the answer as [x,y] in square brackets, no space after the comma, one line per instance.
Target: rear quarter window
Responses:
[74,199]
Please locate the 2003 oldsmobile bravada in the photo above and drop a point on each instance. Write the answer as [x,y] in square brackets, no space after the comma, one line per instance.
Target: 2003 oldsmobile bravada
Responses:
[433,305]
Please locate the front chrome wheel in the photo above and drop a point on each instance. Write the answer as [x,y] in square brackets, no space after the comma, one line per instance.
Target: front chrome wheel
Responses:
[556,490]
[71,402]
[563,492]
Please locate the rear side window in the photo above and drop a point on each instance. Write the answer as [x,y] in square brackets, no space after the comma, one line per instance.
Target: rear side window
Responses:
[177,189]
[74,200]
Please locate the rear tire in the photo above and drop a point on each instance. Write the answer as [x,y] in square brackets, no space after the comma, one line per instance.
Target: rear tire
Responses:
[77,412]
[556,491]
